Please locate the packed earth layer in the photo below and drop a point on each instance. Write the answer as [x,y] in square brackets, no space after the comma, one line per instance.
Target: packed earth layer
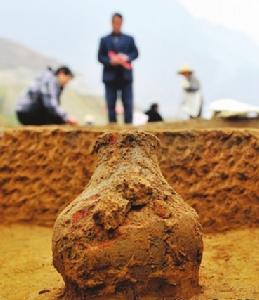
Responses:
[216,171]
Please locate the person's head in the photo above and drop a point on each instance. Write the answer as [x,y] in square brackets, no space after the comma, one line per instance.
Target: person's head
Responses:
[186,71]
[187,74]
[64,75]
[154,107]
[117,21]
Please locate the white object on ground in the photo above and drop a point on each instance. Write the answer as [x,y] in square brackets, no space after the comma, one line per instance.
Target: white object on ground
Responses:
[139,118]
[89,120]
[226,108]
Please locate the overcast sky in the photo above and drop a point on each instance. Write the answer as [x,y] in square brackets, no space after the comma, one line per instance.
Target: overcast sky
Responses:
[30,21]
[239,15]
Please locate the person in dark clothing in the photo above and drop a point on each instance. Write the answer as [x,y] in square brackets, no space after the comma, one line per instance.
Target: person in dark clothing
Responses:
[40,104]
[153,114]
[116,53]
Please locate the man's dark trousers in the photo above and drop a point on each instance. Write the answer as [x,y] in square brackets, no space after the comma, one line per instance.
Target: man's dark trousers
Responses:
[112,89]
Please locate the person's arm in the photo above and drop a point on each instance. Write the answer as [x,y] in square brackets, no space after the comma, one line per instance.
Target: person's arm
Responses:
[133,52]
[103,56]
[51,102]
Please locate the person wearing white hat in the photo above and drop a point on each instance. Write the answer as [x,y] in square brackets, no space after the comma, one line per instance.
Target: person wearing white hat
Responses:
[192,97]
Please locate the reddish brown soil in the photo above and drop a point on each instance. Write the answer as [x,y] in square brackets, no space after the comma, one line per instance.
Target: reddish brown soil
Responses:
[41,170]
[230,267]
[216,171]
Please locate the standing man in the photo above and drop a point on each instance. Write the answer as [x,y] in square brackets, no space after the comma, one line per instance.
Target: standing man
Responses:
[116,53]
[40,104]
[192,95]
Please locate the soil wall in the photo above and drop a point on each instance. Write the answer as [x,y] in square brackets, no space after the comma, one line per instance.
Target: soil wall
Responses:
[216,171]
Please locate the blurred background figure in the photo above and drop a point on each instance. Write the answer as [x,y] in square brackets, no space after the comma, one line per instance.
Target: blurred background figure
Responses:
[192,102]
[116,53]
[153,113]
[40,104]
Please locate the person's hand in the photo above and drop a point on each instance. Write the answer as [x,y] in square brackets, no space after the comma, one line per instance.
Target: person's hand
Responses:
[115,60]
[72,121]
[124,61]
[119,60]
[124,58]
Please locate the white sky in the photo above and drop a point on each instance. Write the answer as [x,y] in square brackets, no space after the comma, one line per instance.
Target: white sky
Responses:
[239,15]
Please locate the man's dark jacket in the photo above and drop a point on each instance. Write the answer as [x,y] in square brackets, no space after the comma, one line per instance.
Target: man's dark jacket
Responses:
[118,43]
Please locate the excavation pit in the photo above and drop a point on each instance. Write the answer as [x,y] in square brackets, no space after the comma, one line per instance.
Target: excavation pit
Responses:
[215,171]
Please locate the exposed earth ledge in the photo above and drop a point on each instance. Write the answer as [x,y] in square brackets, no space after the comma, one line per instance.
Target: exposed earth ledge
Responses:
[216,171]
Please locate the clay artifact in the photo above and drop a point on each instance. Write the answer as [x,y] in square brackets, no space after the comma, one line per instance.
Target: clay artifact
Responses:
[129,235]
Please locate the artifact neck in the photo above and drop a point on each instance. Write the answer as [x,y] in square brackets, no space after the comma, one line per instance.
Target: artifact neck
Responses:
[127,155]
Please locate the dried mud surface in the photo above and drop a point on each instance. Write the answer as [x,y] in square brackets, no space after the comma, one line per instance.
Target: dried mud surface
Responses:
[216,171]
[41,170]
[229,271]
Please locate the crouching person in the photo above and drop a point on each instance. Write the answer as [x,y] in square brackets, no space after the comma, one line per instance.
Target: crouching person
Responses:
[40,104]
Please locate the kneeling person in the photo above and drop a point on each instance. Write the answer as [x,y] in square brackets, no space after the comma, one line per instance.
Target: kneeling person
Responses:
[40,105]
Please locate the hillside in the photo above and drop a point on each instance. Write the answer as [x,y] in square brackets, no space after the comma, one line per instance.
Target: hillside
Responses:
[14,55]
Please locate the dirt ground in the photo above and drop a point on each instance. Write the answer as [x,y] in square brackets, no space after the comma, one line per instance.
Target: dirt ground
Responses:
[230,268]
